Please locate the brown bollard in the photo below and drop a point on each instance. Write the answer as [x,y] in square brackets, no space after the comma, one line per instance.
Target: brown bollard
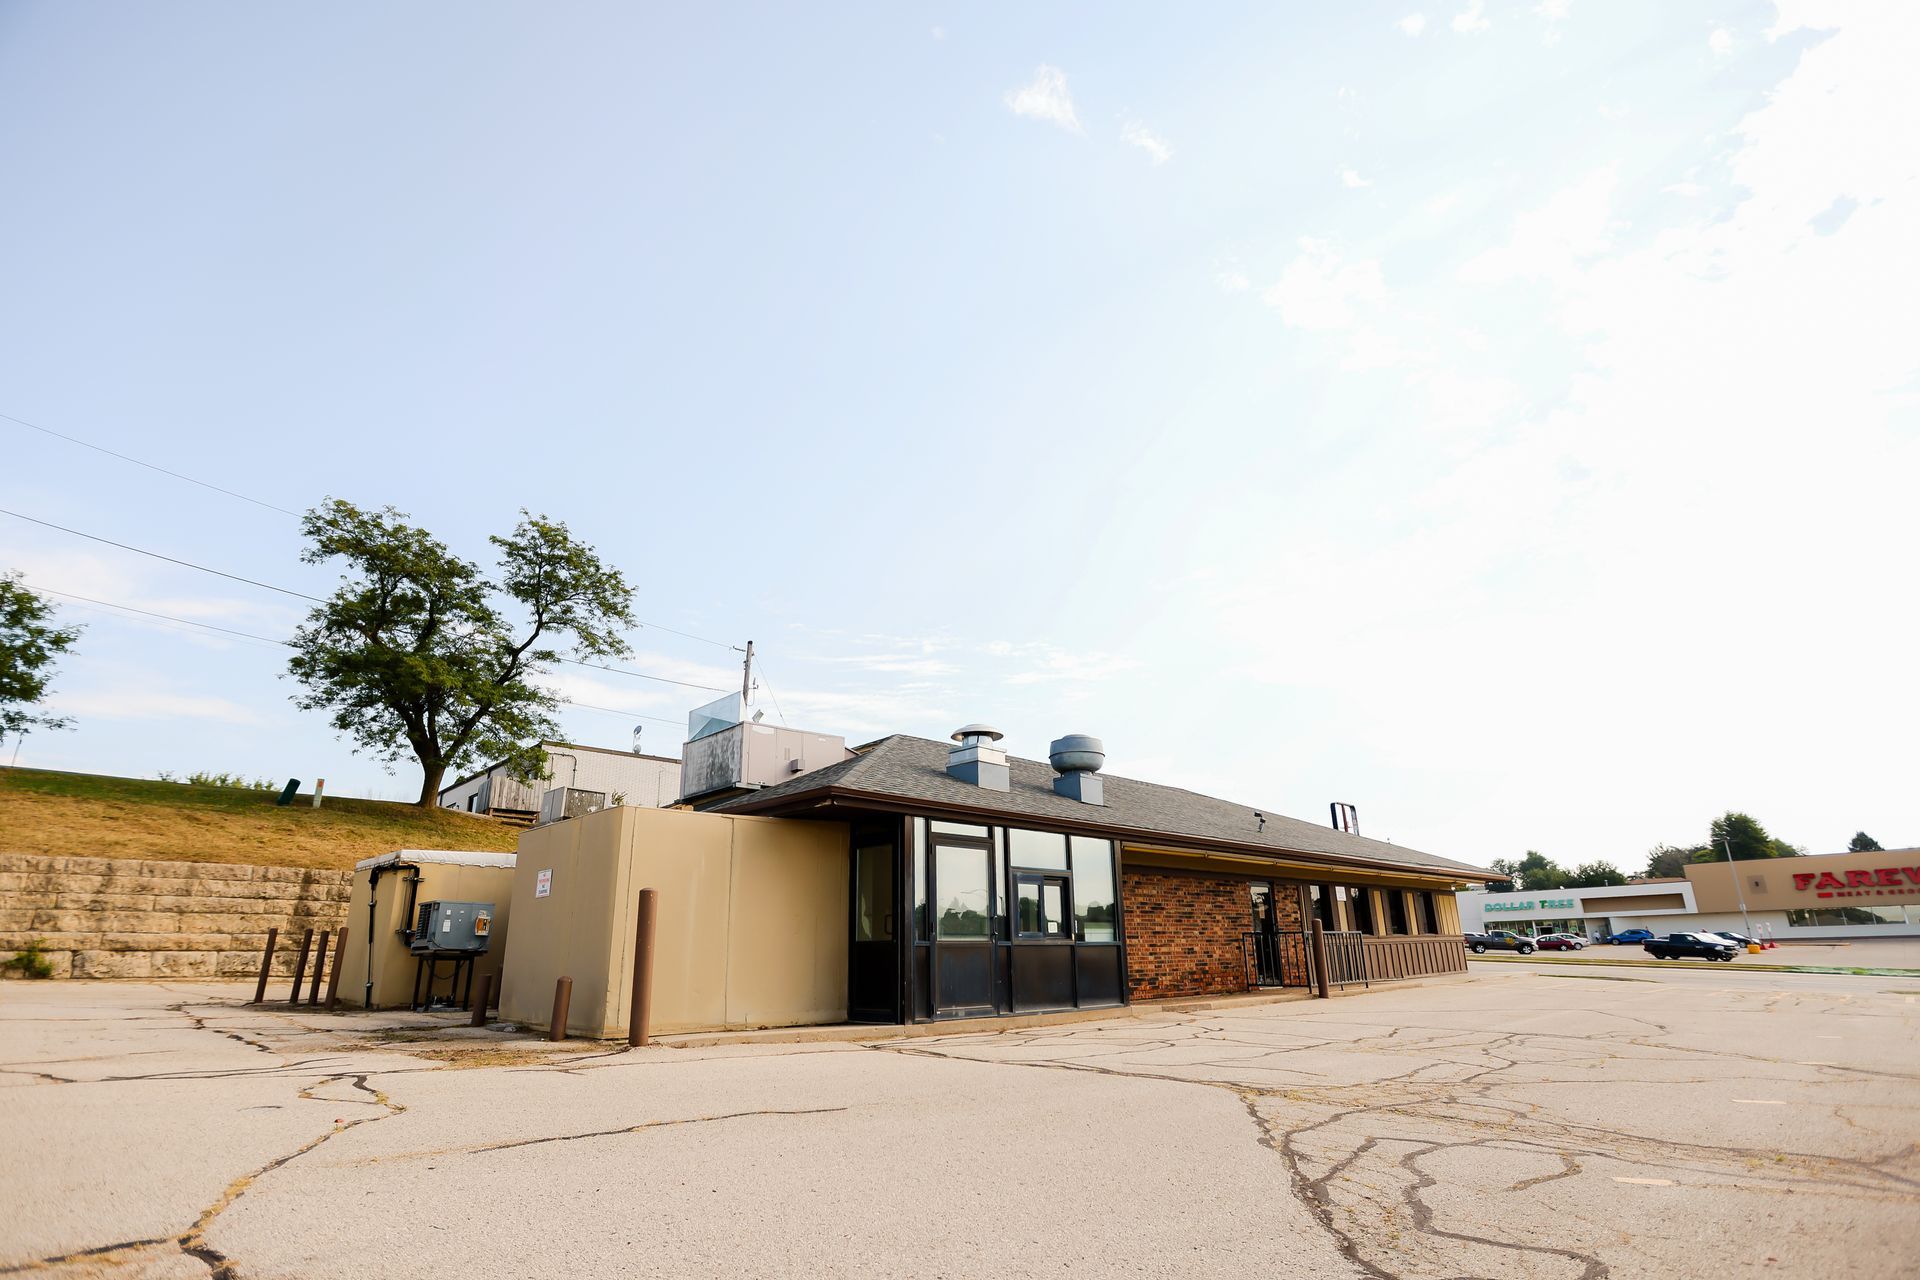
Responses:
[479,1016]
[333,979]
[300,967]
[562,997]
[319,967]
[640,1014]
[1320,958]
[266,967]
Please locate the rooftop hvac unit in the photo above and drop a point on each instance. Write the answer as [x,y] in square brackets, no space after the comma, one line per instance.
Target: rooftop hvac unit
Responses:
[570,802]
[451,929]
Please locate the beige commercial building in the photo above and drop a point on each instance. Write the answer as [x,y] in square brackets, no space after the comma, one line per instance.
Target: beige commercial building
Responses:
[378,970]
[752,927]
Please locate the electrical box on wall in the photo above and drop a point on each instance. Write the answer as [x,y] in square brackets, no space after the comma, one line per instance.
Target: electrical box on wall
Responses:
[452,928]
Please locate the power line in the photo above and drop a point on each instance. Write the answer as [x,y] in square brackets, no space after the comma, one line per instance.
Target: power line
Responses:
[188,564]
[271,506]
[615,711]
[164,617]
[208,626]
[139,462]
[641,675]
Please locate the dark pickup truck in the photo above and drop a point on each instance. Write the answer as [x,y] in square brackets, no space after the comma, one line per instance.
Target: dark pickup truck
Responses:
[1676,946]
[1498,940]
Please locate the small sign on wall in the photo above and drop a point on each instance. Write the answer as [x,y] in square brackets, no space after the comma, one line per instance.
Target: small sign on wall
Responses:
[543,883]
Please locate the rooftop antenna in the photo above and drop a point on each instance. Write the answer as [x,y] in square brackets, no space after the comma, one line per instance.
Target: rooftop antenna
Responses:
[746,676]
[636,738]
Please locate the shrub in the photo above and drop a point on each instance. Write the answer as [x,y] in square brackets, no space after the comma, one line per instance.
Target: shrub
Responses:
[31,962]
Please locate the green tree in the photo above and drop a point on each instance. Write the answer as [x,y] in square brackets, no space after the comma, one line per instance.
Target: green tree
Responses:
[1863,843]
[29,643]
[1746,839]
[1535,871]
[1594,875]
[1668,862]
[415,652]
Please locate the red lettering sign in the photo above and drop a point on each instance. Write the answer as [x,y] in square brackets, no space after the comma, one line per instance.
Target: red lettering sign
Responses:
[1859,879]
[1887,877]
[1803,880]
[1912,873]
[1828,880]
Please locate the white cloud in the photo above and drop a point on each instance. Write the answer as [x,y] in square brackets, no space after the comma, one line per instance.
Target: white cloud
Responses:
[1441,204]
[1045,97]
[1319,290]
[1352,180]
[1232,280]
[1136,134]
[939,33]
[1413,24]
[1554,10]
[1553,241]
[151,704]
[1721,42]
[1473,19]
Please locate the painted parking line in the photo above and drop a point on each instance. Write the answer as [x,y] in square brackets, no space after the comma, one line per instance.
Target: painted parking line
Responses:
[1761,1102]
[1648,1182]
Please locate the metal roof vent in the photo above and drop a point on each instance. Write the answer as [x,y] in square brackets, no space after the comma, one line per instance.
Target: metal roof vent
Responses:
[976,760]
[1078,758]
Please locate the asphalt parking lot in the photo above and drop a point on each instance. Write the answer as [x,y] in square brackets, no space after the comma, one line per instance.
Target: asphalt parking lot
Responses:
[1525,1122]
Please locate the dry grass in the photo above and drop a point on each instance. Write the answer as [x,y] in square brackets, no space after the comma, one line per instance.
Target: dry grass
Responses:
[88,815]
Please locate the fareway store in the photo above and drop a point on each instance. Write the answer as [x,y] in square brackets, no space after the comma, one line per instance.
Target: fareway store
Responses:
[1838,895]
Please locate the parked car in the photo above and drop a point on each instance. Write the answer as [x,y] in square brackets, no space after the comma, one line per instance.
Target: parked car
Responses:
[1737,939]
[1559,942]
[1626,936]
[1498,940]
[1696,946]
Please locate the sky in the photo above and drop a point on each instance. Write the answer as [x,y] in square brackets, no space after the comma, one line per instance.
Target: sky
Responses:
[1499,416]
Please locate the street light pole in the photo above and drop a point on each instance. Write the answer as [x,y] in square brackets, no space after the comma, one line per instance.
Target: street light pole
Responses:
[1738,894]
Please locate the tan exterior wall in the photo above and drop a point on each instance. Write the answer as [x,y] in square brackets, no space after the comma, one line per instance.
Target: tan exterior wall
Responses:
[1891,877]
[393,964]
[752,928]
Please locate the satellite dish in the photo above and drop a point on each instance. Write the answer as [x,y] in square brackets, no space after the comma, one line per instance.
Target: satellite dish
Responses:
[636,738]
[758,716]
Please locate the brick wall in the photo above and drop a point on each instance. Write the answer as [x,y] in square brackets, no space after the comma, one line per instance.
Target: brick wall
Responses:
[1183,933]
[131,918]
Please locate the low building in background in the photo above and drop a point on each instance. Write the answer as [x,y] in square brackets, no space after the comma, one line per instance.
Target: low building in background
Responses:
[1817,898]
[617,777]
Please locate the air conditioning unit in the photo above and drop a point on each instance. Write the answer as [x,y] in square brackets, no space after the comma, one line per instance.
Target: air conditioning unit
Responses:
[569,802]
[452,929]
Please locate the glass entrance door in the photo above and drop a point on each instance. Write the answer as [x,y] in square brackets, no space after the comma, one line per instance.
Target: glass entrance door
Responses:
[1264,935]
[873,952]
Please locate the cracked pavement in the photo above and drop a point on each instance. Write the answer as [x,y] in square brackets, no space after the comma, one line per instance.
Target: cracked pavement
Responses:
[1519,1124]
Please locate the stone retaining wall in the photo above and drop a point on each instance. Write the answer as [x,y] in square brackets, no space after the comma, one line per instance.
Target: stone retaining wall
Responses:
[132,918]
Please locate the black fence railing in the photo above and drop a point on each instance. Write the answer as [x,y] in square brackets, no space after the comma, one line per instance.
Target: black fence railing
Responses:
[1347,959]
[1278,958]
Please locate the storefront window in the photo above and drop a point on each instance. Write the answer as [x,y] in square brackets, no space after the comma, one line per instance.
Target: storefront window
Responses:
[1429,919]
[960,882]
[1094,916]
[1045,850]
[1836,917]
[958,829]
[916,854]
[873,893]
[1396,910]
[1360,904]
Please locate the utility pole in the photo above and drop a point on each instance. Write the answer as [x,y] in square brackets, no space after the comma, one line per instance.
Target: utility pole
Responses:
[746,677]
[1738,893]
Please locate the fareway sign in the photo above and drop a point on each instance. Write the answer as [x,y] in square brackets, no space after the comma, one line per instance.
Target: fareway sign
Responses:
[1879,882]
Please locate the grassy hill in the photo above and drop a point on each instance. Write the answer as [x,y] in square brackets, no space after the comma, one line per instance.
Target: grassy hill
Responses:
[89,815]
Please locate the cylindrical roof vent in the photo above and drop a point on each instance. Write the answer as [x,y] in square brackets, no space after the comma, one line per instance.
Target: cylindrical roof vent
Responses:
[1077,753]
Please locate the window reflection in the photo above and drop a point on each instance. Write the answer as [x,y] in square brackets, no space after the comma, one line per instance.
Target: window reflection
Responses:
[1094,914]
[1046,850]
[960,883]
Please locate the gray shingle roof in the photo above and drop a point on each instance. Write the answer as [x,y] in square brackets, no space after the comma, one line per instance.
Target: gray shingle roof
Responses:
[914,770]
